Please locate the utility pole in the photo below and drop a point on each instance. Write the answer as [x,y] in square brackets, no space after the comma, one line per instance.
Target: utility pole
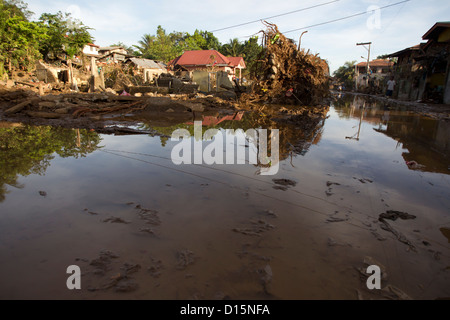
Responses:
[364,44]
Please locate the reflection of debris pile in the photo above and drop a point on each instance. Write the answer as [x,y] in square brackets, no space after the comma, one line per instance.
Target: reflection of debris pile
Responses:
[286,75]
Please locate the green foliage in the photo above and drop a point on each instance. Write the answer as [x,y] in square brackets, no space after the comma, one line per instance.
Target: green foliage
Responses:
[29,150]
[249,50]
[346,74]
[233,48]
[166,47]
[64,34]
[19,38]
[201,40]
[162,46]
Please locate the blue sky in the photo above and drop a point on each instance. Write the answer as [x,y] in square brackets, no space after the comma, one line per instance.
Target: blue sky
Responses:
[389,29]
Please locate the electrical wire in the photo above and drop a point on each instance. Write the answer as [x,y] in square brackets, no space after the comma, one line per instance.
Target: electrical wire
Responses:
[276,16]
[344,18]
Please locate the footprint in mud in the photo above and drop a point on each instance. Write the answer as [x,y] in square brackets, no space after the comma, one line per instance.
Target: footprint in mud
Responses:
[255,229]
[336,219]
[266,274]
[116,220]
[363,180]
[283,184]
[148,215]
[155,268]
[119,280]
[329,192]
[270,213]
[184,259]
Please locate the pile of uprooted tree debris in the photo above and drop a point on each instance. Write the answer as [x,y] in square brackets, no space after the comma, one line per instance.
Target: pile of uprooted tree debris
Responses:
[285,74]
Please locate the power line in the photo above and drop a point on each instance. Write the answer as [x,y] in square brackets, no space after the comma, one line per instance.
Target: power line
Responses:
[278,15]
[344,18]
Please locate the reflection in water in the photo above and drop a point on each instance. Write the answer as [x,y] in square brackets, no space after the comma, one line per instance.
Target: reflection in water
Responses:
[296,137]
[426,141]
[29,150]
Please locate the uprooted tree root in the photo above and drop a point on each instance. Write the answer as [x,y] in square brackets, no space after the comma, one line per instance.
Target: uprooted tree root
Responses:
[286,75]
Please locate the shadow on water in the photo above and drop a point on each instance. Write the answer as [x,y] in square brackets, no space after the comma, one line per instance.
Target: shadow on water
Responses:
[29,150]
[426,141]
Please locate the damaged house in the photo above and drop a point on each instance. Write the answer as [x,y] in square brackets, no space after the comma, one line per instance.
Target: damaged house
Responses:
[148,68]
[379,70]
[209,68]
[205,60]
[113,54]
[423,71]
[91,50]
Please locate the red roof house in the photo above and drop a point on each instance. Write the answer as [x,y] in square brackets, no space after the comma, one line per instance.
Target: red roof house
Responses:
[204,59]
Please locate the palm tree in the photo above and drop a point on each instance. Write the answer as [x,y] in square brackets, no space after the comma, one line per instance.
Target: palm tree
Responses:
[233,48]
[145,43]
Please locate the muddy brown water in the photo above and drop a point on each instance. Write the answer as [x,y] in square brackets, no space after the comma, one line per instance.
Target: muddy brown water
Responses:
[224,231]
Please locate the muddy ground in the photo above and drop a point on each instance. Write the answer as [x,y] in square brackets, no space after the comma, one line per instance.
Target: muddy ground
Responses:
[102,111]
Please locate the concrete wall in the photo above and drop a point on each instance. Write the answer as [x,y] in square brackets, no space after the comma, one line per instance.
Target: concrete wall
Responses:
[202,79]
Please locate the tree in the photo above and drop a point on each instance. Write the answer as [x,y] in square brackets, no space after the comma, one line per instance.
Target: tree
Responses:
[252,51]
[201,40]
[346,74]
[249,50]
[162,46]
[19,38]
[64,35]
[234,48]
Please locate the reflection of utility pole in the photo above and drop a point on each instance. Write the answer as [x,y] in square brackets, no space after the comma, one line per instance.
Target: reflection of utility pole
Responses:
[364,44]
[78,143]
[361,118]
[300,40]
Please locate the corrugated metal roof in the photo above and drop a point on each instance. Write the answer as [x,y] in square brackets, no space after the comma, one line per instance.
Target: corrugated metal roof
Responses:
[110,48]
[146,63]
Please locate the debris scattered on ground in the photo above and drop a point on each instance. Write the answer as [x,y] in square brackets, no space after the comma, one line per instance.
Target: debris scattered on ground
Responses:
[394,215]
[283,184]
[287,75]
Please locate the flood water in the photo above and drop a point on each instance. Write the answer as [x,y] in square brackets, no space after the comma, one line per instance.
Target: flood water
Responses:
[141,227]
